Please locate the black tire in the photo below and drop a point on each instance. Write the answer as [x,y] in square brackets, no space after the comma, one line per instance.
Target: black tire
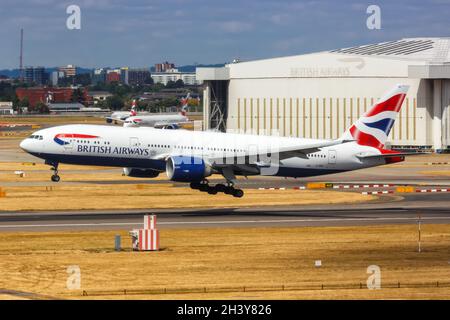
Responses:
[195,185]
[55,178]
[221,187]
[203,187]
[238,193]
[228,190]
[212,190]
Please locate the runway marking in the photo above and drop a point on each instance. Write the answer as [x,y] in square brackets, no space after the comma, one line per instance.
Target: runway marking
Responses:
[378,192]
[219,222]
[433,190]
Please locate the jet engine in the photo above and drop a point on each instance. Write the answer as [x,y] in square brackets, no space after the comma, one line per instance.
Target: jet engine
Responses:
[187,169]
[140,173]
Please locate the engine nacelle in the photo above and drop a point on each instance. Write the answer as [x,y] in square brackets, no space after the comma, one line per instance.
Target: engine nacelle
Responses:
[187,169]
[140,173]
[172,126]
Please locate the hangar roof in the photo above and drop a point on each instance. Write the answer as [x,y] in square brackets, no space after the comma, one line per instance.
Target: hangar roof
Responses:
[428,49]
[427,58]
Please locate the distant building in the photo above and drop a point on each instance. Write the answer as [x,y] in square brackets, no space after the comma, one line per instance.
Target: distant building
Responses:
[138,76]
[47,95]
[99,96]
[6,108]
[69,70]
[124,72]
[189,78]
[98,76]
[55,76]
[163,67]
[65,107]
[113,76]
[36,75]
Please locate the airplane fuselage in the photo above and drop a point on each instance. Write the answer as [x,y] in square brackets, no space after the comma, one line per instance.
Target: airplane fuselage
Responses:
[148,148]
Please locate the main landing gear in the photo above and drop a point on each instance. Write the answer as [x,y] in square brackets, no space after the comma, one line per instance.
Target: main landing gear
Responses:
[54,168]
[227,189]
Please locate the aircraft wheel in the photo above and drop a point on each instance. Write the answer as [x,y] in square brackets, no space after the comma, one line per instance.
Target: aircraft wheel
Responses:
[220,187]
[229,190]
[238,193]
[55,178]
[195,185]
[212,190]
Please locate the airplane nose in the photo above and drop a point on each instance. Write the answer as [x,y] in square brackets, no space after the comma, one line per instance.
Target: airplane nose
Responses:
[23,145]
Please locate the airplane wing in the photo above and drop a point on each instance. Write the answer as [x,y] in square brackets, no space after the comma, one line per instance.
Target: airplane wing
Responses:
[115,119]
[175,125]
[286,152]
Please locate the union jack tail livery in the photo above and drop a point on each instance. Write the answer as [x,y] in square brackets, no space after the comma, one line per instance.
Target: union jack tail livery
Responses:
[133,108]
[185,104]
[373,128]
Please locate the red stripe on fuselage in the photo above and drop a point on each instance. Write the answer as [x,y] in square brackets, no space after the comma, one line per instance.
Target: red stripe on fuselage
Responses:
[75,135]
[394,103]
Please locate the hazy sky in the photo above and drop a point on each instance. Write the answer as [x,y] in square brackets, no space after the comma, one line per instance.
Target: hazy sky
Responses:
[141,32]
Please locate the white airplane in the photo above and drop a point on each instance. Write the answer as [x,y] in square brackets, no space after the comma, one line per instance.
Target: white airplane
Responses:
[192,156]
[166,121]
[120,116]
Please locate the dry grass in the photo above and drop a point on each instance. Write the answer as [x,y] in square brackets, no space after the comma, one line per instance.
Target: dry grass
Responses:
[436,173]
[53,120]
[123,195]
[212,258]
[140,196]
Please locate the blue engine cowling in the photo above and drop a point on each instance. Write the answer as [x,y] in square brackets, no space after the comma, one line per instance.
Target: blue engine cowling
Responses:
[187,169]
[172,126]
[140,173]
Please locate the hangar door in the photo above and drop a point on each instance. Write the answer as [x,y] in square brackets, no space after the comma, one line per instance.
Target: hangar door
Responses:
[217,105]
[445,113]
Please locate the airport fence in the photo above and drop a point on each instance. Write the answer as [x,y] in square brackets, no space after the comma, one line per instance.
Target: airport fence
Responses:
[273,288]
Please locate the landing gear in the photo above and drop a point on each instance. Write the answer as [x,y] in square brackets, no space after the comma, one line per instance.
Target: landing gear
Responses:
[227,189]
[54,168]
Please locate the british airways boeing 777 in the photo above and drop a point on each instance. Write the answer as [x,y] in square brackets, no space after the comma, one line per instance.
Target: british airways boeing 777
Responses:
[192,156]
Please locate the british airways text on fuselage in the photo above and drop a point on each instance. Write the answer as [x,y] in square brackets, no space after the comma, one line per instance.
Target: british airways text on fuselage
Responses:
[113,150]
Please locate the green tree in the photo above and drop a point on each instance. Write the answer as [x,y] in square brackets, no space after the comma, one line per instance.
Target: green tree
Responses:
[170,84]
[114,103]
[83,79]
[77,95]
[179,83]
[42,108]
[24,103]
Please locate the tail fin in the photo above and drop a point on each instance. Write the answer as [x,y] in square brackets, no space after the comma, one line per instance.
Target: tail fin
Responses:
[373,128]
[185,104]
[133,108]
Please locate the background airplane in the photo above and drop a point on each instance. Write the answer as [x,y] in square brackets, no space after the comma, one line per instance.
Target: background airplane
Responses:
[192,156]
[166,121]
[120,116]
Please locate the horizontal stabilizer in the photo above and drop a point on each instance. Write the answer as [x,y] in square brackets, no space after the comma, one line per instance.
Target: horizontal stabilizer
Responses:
[390,155]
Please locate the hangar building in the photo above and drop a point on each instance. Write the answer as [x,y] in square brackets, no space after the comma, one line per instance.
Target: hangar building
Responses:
[319,95]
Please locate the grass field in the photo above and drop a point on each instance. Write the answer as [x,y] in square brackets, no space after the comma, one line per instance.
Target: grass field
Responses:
[138,196]
[215,259]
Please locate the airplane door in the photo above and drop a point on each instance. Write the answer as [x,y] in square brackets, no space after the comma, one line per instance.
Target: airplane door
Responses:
[134,142]
[332,157]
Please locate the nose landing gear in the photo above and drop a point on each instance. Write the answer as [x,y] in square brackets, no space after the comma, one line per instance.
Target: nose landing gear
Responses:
[54,168]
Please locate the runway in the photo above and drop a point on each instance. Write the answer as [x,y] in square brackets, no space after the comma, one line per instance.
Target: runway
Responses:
[433,210]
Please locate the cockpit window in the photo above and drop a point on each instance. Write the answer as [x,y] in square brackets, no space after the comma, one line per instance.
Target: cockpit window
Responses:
[33,136]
